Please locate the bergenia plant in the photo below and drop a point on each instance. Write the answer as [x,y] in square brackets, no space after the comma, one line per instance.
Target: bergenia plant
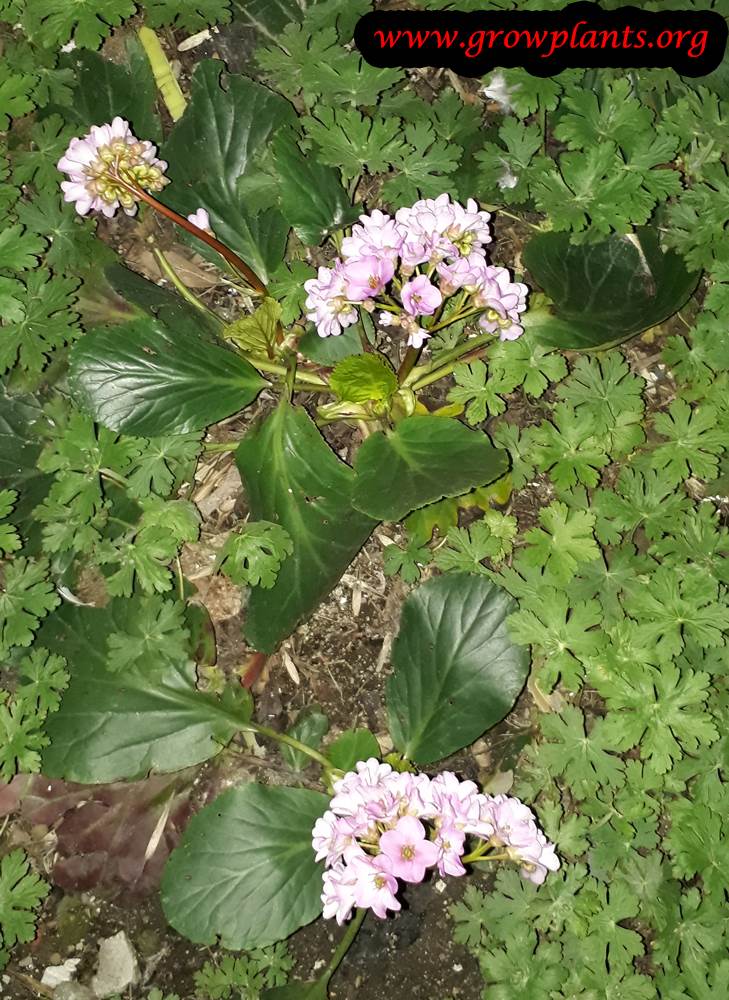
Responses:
[313,418]
[422,293]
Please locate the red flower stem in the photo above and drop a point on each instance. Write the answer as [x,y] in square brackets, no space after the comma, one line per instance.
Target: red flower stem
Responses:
[233,259]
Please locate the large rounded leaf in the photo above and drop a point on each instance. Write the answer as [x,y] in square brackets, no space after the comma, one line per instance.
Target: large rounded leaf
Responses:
[605,292]
[456,672]
[213,146]
[425,458]
[145,378]
[244,872]
[311,195]
[122,724]
[293,478]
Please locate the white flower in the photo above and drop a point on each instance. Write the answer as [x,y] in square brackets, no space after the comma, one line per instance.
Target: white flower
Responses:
[106,165]
[201,219]
[498,91]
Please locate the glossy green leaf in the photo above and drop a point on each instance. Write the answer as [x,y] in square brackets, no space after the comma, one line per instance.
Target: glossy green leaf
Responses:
[425,458]
[456,672]
[330,350]
[351,746]
[310,728]
[121,725]
[605,292]
[269,17]
[21,419]
[293,478]
[212,146]
[312,198]
[363,377]
[148,379]
[244,873]
[104,89]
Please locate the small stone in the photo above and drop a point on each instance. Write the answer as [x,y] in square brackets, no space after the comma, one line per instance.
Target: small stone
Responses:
[118,967]
[59,973]
[72,991]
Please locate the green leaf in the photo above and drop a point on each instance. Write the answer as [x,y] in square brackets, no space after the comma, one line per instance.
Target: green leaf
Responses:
[312,198]
[21,738]
[153,634]
[287,286]
[104,89]
[662,712]
[456,672]
[48,322]
[21,892]
[188,15]
[330,350]
[211,147]
[155,380]
[244,872]
[228,976]
[695,440]
[293,479]
[121,725]
[310,728]
[27,597]
[605,292]
[256,333]
[252,556]
[87,21]
[353,142]
[563,542]
[363,377]
[19,251]
[351,746]
[466,548]
[44,677]
[583,760]
[425,458]
[16,95]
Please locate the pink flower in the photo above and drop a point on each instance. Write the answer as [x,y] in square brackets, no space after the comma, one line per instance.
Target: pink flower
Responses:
[420,297]
[455,803]
[375,884]
[503,300]
[515,828]
[449,842]
[338,892]
[201,219]
[423,227]
[327,302]
[333,838]
[376,236]
[470,228]
[103,165]
[408,849]
[366,277]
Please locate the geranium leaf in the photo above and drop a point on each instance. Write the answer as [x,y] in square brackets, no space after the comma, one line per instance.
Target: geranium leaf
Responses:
[121,725]
[456,672]
[244,872]
[604,292]
[294,479]
[155,380]
[424,459]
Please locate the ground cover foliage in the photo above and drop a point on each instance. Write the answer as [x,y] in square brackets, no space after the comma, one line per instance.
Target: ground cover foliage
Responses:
[610,194]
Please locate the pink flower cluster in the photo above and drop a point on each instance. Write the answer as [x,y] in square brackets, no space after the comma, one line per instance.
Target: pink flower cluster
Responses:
[428,252]
[106,165]
[384,825]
